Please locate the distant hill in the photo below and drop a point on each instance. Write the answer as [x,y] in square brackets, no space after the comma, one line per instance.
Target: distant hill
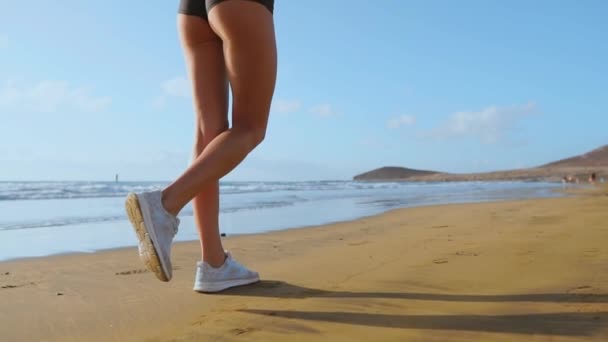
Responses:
[580,167]
[392,173]
[595,158]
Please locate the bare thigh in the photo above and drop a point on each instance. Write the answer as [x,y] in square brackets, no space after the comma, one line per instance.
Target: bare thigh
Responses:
[246,29]
[203,51]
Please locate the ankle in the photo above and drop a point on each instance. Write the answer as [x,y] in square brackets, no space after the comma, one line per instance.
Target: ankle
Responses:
[168,204]
[215,260]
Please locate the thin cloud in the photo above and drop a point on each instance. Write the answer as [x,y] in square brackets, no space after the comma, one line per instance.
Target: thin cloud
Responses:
[401,121]
[324,110]
[50,96]
[489,125]
[175,87]
[281,106]
[178,87]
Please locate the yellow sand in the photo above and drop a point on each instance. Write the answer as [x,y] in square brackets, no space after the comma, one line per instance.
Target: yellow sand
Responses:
[511,271]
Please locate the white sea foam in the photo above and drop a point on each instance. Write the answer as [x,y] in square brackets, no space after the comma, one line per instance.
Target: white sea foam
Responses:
[10,191]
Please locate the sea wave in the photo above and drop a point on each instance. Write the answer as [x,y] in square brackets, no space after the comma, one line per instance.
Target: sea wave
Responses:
[12,191]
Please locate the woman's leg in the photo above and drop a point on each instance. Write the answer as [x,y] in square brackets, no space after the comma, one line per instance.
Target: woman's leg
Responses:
[246,29]
[206,205]
[205,60]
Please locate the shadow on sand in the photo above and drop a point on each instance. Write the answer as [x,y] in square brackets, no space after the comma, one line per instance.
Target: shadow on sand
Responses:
[280,289]
[559,323]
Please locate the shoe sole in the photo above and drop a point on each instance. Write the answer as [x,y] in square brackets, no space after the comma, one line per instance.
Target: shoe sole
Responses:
[224,285]
[148,254]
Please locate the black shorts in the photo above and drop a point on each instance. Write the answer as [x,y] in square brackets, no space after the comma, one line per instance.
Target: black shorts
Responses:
[200,8]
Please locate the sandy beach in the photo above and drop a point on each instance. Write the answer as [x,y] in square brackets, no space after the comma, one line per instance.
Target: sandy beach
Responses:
[531,270]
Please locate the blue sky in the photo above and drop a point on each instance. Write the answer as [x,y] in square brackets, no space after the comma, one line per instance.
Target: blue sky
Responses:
[89,89]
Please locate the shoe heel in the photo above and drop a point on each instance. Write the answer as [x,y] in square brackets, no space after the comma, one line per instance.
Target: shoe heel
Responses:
[148,253]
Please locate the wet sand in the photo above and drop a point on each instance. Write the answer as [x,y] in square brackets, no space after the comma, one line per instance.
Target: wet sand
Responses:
[533,270]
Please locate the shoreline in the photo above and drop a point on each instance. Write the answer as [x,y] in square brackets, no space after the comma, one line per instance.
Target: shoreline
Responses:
[123,248]
[492,271]
[564,192]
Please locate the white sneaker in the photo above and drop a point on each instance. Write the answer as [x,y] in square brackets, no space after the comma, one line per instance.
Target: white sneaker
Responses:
[155,229]
[230,274]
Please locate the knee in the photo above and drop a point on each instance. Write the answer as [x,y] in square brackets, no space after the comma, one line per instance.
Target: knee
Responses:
[253,136]
[206,134]
[209,133]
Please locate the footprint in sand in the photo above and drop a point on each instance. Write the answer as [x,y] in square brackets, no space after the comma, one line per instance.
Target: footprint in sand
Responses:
[466,253]
[129,272]
[241,331]
[579,289]
[591,253]
[12,286]
[359,243]
[139,271]
[441,261]
[548,219]
[199,321]
[441,226]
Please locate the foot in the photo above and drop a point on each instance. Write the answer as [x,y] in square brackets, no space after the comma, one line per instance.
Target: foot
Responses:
[155,229]
[230,274]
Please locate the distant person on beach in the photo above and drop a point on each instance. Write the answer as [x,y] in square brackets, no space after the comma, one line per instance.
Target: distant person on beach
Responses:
[226,43]
[592,178]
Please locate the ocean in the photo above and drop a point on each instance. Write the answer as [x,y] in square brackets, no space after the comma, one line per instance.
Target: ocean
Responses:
[45,218]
